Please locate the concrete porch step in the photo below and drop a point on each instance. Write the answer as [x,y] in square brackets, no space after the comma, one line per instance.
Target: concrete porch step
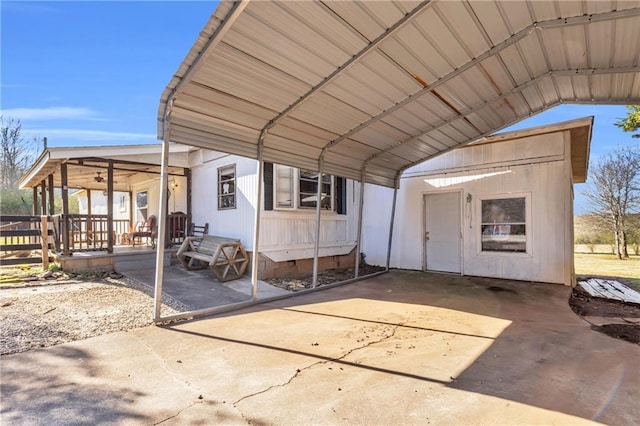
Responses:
[135,261]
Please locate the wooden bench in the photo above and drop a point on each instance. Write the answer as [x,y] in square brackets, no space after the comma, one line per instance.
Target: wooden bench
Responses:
[225,256]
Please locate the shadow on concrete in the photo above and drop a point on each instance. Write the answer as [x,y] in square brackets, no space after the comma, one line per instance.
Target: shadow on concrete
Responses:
[526,344]
[199,289]
[45,396]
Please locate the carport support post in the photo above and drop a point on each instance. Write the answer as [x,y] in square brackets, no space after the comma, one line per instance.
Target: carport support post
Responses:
[256,221]
[316,246]
[162,216]
[393,215]
[360,208]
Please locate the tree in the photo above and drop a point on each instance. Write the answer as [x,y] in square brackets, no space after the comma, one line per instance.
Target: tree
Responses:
[16,153]
[615,192]
[631,122]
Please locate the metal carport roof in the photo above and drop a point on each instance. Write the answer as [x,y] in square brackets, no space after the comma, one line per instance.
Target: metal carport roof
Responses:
[385,85]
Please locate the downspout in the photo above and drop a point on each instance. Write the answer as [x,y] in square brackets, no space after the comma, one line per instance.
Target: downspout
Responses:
[360,209]
[316,246]
[162,212]
[393,215]
[255,257]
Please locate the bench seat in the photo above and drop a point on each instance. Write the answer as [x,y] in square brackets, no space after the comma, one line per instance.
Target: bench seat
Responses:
[226,257]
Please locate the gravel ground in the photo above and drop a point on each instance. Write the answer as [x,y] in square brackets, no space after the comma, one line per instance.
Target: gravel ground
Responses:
[47,315]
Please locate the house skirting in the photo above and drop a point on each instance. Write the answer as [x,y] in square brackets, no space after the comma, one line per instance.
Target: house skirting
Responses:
[269,268]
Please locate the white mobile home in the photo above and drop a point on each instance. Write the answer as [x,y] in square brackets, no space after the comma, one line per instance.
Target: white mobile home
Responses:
[224,196]
[501,207]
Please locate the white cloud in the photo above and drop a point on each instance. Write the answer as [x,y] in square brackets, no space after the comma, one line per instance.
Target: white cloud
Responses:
[60,137]
[51,113]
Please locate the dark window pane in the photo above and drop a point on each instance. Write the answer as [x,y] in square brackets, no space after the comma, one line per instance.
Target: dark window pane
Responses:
[141,199]
[504,210]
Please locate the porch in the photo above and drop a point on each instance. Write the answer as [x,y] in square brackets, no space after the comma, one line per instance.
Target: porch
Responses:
[122,259]
[117,188]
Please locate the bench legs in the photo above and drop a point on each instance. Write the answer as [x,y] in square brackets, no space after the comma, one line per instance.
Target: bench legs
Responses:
[230,264]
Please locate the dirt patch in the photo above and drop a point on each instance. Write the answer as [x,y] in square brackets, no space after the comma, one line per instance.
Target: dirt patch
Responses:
[326,277]
[615,318]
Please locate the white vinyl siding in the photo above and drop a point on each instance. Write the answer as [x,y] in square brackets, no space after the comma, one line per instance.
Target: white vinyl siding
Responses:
[285,233]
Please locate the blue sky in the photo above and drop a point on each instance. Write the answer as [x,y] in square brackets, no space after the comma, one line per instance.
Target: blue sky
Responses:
[91,73]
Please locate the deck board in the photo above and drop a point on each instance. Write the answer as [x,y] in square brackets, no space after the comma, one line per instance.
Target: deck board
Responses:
[610,289]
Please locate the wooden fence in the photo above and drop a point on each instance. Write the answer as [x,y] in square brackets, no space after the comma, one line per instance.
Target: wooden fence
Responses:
[21,240]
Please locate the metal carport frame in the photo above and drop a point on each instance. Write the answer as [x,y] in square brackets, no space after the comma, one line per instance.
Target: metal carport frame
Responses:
[365,90]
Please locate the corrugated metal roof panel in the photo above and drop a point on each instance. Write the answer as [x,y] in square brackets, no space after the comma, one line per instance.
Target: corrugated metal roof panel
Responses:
[459,18]
[489,10]
[329,113]
[393,82]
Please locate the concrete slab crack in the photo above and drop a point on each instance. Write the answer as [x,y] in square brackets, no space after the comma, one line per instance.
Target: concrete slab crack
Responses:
[337,359]
[180,411]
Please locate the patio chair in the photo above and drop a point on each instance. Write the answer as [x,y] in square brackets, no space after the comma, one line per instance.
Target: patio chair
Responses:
[146,230]
[198,230]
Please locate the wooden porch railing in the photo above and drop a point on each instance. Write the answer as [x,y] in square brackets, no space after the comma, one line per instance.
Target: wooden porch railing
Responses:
[21,240]
[21,236]
[90,233]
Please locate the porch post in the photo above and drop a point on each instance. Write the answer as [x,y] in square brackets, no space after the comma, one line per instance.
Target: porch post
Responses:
[187,173]
[34,209]
[393,215]
[359,236]
[110,207]
[65,208]
[255,257]
[43,195]
[316,247]
[89,222]
[52,207]
[162,216]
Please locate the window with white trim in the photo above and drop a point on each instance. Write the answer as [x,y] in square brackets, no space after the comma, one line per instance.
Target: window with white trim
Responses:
[504,224]
[298,189]
[227,187]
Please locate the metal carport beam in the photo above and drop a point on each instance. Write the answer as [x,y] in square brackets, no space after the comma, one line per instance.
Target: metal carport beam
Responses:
[485,104]
[162,213]
[316,246]
[354,59]
[480,136]
[256,222]
[363,174]
[393,216]
[231,17]
[518,36]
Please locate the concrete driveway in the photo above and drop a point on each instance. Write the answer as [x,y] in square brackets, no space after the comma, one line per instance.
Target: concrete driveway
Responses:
[400,348]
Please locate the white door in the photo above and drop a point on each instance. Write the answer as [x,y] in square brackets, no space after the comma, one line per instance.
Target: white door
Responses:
[442,232]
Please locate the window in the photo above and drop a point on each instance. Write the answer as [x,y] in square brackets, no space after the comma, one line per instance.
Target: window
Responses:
[295,188]
[284,186]
[504,225]
[123,203]
[227,187]
[141,206]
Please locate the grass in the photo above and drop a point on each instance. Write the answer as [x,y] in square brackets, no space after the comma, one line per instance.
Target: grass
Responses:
[608,265]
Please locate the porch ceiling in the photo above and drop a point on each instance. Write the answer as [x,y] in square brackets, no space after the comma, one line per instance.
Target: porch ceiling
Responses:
[84,163]
[386,85]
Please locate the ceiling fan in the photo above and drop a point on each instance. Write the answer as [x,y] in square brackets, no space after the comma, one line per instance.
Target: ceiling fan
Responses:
[98,178]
